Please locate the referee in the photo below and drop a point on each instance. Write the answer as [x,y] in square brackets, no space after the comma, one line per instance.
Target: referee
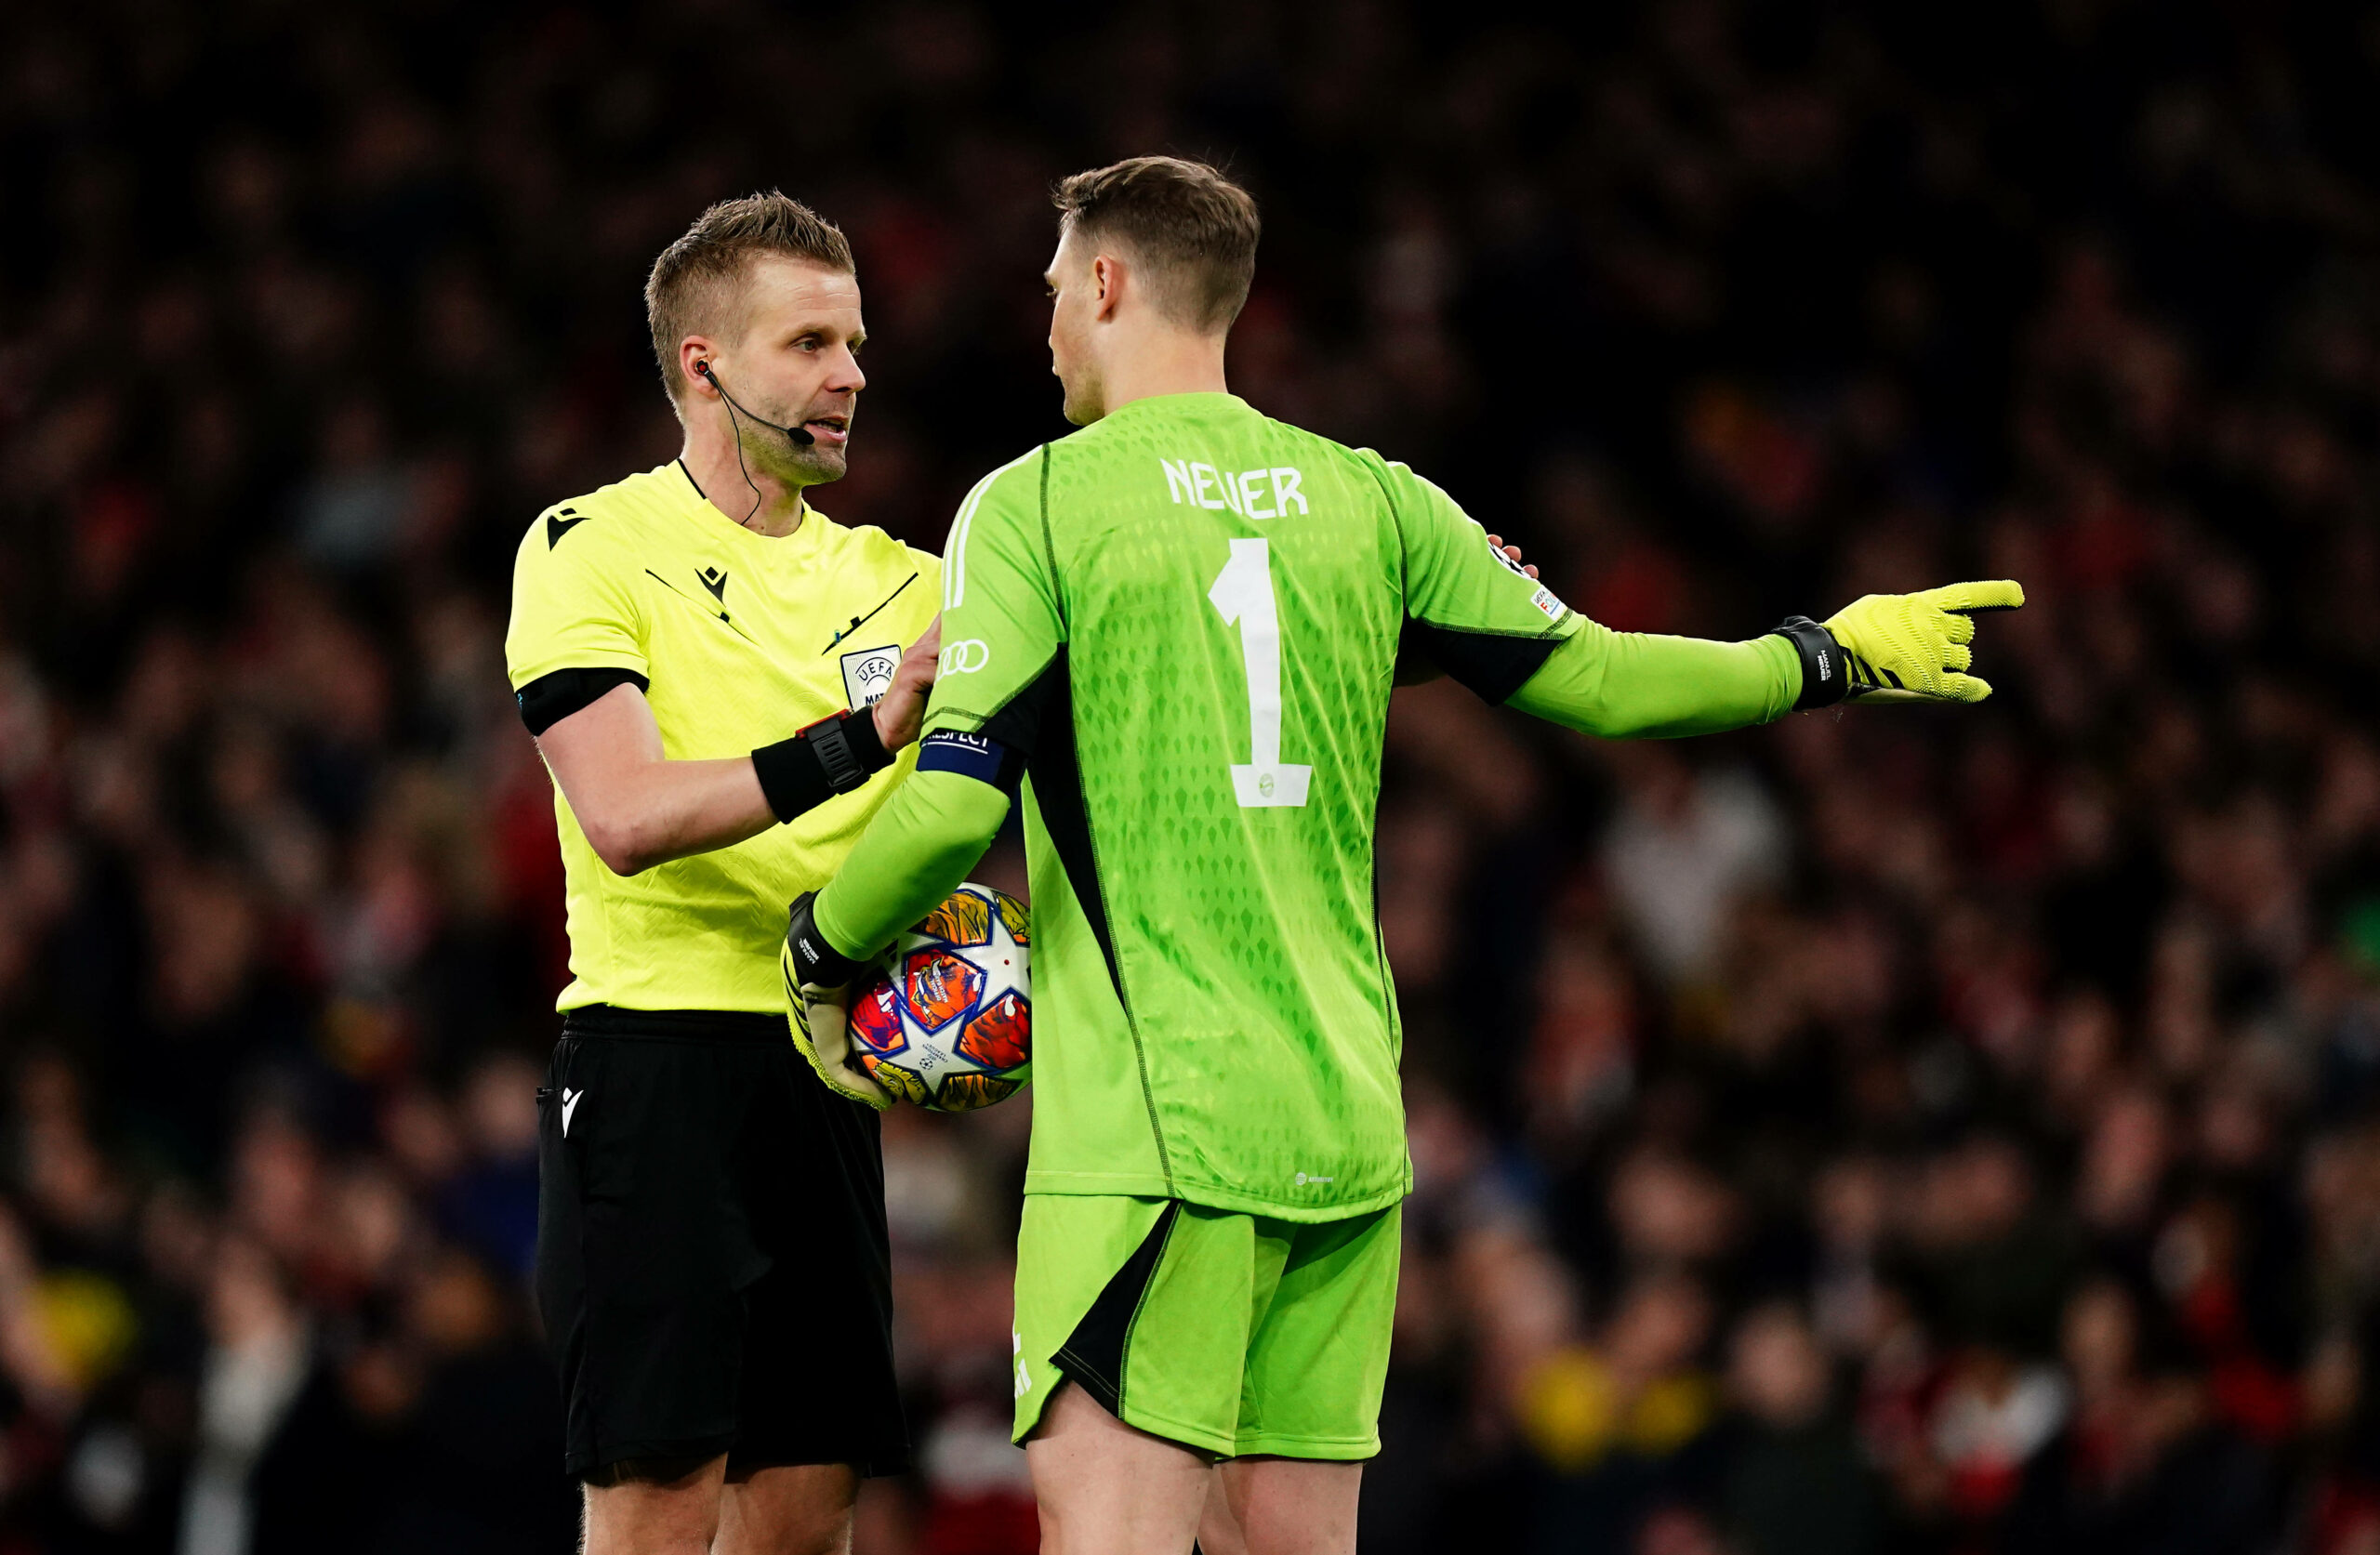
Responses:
[714,675]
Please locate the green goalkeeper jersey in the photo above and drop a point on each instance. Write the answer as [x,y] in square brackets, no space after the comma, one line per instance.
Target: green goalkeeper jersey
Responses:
[1182,623]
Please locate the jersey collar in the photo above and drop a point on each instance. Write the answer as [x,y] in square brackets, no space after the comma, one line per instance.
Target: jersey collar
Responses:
[1192,400]
[699,509]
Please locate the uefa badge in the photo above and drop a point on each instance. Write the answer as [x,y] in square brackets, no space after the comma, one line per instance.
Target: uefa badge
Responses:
[868,675]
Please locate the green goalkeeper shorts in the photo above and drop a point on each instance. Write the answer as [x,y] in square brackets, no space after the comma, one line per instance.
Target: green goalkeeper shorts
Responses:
[1230,1334]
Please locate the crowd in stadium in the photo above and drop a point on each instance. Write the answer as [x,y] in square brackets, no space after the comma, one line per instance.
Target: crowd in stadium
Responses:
[1888,1130]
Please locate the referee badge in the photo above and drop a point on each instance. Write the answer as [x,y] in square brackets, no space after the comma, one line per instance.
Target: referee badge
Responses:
[868,674]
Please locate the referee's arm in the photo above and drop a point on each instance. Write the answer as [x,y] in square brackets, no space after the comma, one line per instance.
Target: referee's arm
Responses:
[640,808]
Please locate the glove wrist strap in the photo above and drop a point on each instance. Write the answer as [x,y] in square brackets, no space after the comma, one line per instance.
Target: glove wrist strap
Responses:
[833,755]
[818,964]
[1826,669]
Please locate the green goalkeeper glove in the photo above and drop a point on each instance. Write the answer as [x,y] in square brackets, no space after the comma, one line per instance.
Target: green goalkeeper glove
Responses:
[818,980]
[1913,647]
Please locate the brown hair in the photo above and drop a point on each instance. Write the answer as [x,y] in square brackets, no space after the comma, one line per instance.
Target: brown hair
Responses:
[698,279]
[1194,229]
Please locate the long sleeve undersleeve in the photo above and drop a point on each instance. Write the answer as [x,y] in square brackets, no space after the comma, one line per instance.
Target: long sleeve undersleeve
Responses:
[1635,686]
[916,852]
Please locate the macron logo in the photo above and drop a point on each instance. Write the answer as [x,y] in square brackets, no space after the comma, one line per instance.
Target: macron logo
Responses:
[569,1105]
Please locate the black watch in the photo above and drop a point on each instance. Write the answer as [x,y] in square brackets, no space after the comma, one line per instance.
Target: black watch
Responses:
[833,755]
[831,739]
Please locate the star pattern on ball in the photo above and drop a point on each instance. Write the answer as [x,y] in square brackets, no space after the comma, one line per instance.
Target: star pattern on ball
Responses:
[1001,961]
[929,1059]
[955,1013]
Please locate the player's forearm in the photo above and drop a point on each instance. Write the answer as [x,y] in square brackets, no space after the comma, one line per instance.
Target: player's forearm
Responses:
[640,808]
[639,814]
[916,852]
[1635,686]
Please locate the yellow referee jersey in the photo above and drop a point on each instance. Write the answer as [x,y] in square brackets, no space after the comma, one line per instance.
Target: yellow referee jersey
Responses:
[742,639]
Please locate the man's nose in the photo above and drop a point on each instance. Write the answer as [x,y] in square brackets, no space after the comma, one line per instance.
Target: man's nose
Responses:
[845,376]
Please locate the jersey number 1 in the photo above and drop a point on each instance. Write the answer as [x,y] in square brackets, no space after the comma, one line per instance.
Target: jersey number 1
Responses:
[1243,592]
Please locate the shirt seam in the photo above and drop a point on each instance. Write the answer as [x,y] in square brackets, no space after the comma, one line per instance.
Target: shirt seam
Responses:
[1090,840]
[1219,1196]
[1531,636]
[589,659]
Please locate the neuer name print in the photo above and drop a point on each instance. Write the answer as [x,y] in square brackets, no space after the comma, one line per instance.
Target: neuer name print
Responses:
[1252,493]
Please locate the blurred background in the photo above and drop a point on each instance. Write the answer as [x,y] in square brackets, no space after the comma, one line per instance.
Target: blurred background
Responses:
[1898,1130]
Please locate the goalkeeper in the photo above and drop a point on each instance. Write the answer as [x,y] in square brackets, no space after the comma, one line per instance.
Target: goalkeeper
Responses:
[1179,627]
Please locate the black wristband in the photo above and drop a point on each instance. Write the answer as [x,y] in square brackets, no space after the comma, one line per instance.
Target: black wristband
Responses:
[833,755]
[815,962]
[1826,669]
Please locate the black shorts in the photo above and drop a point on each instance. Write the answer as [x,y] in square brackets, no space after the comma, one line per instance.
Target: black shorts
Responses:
[713,1267]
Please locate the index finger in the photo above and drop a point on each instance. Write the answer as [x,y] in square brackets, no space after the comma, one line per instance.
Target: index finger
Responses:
[1966,599]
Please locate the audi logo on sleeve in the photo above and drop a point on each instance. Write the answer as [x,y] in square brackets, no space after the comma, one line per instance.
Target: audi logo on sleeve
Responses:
[965,658]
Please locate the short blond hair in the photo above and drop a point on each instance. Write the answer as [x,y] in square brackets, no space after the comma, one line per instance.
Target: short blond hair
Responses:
[1193,227]
[697,284]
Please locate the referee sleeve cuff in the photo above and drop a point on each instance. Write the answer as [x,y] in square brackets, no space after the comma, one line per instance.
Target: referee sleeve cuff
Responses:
[548,699]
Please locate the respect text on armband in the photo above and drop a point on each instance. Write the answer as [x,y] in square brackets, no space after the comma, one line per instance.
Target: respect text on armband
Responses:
[1252,493]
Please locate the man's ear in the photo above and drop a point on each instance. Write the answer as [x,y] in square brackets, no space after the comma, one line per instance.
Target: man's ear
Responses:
[693,351]
[1107,274]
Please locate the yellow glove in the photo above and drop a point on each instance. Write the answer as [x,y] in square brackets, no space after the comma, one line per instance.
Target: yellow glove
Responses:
[820,1012]
[1913,647]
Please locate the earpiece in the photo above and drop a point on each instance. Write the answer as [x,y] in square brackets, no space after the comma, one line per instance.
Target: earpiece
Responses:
[796,436]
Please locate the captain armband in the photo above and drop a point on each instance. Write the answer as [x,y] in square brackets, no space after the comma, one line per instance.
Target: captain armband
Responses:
[986,760]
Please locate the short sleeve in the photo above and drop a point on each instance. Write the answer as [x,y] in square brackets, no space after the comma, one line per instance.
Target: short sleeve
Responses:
[569,609]
[1002,630]
[1483,620]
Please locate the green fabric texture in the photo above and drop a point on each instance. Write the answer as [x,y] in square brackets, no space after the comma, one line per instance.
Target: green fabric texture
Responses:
[1187,616]
[1252,1335]
[1633,686]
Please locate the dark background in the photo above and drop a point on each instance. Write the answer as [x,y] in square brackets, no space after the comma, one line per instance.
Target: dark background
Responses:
[1914,1130]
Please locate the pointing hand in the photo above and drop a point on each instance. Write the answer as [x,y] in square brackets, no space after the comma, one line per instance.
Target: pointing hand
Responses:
[1914,646]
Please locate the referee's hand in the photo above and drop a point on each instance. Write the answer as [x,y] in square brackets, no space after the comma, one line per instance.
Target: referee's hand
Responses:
[903,706]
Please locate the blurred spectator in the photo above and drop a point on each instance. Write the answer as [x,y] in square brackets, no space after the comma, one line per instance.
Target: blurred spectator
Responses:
[259,1359]
[1795,1479]
[1615,1420]
[490,1205]
[1682,846]
[2145,1463]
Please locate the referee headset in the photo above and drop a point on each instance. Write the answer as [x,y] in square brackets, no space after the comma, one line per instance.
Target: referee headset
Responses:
[799,437]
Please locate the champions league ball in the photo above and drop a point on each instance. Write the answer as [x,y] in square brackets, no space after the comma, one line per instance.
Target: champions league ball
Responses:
[949,1023]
